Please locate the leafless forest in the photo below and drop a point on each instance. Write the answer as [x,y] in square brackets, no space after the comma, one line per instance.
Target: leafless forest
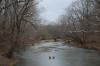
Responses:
[18,21]
[80,23]
[20,25]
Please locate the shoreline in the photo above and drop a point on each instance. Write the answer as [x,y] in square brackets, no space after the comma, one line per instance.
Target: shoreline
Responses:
[8,62]
[14,61]
[94,46]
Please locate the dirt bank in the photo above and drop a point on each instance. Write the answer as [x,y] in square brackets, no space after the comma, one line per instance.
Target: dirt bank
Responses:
[91,45]
[8,62]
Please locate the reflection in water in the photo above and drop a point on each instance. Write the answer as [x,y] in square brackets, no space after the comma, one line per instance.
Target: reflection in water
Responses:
[57,54]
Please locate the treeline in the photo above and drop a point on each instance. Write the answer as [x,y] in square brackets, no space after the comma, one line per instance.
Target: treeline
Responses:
[18,24]
[80,23]
[48,32]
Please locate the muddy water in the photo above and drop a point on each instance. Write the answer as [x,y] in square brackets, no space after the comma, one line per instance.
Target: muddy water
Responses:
[58,54]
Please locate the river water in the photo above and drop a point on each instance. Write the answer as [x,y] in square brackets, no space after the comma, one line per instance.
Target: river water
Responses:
[58,54]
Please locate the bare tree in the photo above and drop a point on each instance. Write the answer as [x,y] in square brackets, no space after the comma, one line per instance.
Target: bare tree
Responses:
[16,17]
[80,20]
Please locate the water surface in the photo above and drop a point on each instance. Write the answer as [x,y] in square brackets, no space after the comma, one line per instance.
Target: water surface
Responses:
[58,54]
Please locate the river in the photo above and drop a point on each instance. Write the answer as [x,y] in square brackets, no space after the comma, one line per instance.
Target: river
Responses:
[58,54]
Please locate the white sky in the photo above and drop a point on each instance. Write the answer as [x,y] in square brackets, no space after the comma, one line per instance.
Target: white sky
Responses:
[53,8]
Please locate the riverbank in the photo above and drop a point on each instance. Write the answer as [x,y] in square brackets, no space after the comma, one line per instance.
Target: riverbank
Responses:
[95,46]
[11,62]
[8,62]
[51,40]
[91,45]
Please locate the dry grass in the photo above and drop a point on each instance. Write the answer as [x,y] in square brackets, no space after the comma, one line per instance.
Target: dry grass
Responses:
[51,40]
[48,40]
[8,62]
[44,50]
[89,45]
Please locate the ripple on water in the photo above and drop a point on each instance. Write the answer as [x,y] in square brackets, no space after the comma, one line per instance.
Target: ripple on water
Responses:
[39,55]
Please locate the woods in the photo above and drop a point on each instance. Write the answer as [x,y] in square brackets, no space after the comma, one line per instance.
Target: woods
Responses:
[82,21]
[20,25]
[18,20]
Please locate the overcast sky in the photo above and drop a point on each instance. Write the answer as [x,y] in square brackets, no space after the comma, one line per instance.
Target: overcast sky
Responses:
[53,8]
